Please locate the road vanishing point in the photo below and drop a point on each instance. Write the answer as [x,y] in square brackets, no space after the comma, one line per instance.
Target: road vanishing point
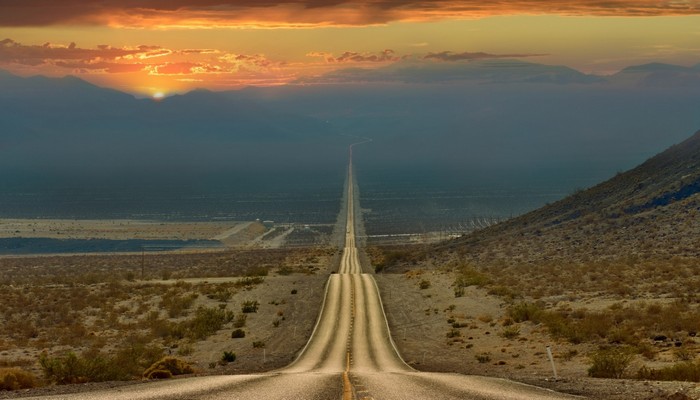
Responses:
[350,355]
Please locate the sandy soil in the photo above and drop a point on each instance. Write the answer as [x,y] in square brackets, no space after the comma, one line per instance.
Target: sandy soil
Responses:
[418,320]
[296,314]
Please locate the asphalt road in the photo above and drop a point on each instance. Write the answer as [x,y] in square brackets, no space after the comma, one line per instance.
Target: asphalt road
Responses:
[350,355]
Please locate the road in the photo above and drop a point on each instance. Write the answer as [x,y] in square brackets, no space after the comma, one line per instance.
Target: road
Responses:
[350,355]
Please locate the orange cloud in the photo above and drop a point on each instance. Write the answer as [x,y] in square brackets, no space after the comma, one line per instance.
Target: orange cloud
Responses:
[17,53]
[387,55]
[301,13]
[153,60]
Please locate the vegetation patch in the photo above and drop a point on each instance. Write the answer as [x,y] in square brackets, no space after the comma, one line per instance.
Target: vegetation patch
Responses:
[684,371]
[168,367]
[610,362]
[16,378]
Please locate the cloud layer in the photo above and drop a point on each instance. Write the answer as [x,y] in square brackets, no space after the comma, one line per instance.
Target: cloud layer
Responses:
[468,56]
[302,13]
[154,60]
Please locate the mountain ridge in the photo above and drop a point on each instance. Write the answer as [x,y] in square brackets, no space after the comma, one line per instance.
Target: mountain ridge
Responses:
[651,210]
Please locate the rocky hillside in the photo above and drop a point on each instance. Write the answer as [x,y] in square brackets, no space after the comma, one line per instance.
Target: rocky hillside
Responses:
[649,212]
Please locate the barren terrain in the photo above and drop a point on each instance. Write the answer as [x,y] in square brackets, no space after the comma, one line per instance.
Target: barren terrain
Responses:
[118,229]
[186,305]
[425,335]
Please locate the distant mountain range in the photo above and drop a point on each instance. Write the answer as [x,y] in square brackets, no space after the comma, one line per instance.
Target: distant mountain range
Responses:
[660,76]
[483,71]
[502,126]
[67,123]
[506,71]
[650,211]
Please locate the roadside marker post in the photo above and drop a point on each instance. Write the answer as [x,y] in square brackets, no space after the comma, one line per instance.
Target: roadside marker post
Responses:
[551,360]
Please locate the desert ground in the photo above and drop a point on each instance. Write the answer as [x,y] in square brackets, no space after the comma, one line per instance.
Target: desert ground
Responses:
[188,304]
[489,343]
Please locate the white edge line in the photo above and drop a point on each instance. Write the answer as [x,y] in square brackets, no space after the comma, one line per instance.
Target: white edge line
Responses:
[318,321]
[386,321]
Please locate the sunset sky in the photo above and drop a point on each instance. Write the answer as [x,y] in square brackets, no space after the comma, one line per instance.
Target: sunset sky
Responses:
[150,47]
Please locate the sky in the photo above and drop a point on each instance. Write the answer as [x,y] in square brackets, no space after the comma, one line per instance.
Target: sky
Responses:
[160,47]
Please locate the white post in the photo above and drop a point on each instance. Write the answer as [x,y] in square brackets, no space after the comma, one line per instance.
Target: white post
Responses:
[551,360]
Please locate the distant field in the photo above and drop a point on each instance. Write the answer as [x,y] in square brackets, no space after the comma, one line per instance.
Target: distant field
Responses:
[116,229]
[61,236]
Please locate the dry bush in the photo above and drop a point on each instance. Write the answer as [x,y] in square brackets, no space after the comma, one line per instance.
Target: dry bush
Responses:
[167,367]
[611,362]
[525,311]
[124,363]
[16,378]
[684,371]
[176,302]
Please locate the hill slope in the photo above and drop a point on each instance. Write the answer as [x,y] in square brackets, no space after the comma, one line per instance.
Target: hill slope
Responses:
[650,211]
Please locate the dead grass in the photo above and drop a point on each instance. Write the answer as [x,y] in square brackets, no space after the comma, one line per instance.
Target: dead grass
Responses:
[86,308]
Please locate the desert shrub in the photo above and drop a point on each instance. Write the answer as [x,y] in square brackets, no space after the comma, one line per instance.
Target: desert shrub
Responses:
[646,350]
[511,332]
[285,270]
[221,294]
[250,306]
[258,344]
[172,365]
[683,354]
[392,258]
[228,357]
[424,284]
[504,291]
[483,358]
[485,318]
[569,355]
[453,333]
[158,374]
[16,378]
[61,370]
[610,362]
[684,371]
[525,311]
[580,326]
[294,291]
[468,276]
[206,322]
[240,321]
[176,303]
[249,281]
[136,353]
[237,334]
[72,368]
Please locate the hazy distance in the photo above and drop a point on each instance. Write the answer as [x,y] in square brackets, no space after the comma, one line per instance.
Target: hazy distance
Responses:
[447,139]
